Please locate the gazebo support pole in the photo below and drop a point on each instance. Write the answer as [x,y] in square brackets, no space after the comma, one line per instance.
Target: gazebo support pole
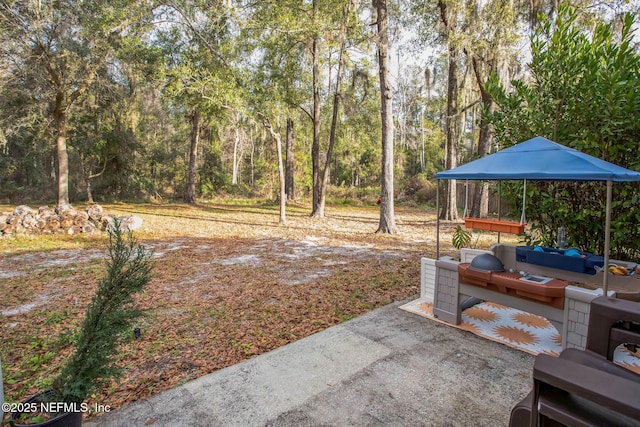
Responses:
[499,204]
[607,239]
[437,219]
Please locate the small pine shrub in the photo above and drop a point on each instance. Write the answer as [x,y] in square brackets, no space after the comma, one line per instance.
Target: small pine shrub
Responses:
[111,313]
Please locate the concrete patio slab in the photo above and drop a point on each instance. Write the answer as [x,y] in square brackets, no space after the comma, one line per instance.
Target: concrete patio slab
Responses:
[387,367]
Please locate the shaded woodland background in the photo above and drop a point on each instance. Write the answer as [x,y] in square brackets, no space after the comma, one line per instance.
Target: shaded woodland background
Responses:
[189,99]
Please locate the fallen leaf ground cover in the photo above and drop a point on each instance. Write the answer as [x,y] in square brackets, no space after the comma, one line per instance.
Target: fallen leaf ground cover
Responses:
[229,283]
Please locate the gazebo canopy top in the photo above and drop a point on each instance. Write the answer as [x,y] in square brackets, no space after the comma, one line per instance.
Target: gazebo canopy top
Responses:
[540,159]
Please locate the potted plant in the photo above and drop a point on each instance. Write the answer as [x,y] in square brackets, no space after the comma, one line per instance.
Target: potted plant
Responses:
[460,238]
[110,314]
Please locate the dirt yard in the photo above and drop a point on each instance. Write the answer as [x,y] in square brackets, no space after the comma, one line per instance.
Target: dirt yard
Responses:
[229,283]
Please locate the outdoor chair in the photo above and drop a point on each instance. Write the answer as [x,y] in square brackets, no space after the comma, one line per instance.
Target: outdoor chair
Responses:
[585,387]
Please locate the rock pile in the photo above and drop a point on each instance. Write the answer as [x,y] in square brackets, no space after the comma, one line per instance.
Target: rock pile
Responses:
[44,220]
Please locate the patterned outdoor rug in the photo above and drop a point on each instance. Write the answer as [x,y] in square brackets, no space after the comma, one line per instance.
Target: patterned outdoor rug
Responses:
[514,328]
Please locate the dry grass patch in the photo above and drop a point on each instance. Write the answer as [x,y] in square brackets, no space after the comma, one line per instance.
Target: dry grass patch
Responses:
[229,283]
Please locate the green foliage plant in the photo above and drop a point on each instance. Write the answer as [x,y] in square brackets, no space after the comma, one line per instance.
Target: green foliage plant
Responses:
[460,238]
[111,313]
[583,94]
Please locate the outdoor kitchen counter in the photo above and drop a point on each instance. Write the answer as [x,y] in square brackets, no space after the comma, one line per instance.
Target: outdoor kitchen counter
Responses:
[625,287]
[549,292]
[454,287]
[562,297]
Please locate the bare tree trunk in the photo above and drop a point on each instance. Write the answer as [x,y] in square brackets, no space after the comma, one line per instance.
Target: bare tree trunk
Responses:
[480,206]
[193,157]
[61,118]
[62,103]
[236,144]
[63,166]
[387,215]
[253,149]
[88,175]
[334,118]
[315,147]
[89,192]
[290,162]
[283,196]
[422,159]
[450,203]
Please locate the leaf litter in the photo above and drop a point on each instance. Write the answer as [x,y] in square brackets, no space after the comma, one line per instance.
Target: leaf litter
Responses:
[229,284]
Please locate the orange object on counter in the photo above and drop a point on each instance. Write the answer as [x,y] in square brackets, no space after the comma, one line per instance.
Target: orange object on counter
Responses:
[550,293]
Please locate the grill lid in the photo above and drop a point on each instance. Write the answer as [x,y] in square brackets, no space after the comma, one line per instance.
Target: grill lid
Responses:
[487,262]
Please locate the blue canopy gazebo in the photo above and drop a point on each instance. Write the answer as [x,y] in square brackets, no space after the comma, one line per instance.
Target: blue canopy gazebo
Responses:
[540,159]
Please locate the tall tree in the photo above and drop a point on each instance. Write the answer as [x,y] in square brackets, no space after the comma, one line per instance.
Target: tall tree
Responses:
[387,222]
[194,120]
[480,205]
[277,36]
[203,81]
[315,146]
[342,37]
[491,44]
[281,178]
[235,160]
[449,21]
[290,161]
[61,47]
